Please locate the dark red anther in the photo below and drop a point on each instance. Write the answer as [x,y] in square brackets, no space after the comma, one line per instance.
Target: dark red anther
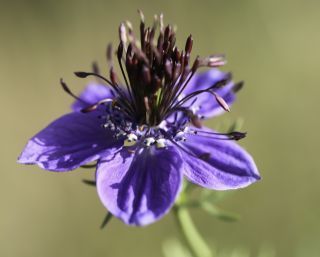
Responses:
[160,42]
[165,46]
[109,54]
[167,33]
[196,64]
[113,76]
[177,54]
[186,59]
[95,68]
[172,40]
[146,75]
[176,71]
[189,43]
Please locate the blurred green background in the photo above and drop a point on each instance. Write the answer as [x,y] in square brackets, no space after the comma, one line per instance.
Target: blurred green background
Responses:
[272,45]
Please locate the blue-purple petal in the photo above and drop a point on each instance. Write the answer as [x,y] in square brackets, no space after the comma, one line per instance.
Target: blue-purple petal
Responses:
[69,142]
[141,187]
[92,94]
[218,164]
[206,101]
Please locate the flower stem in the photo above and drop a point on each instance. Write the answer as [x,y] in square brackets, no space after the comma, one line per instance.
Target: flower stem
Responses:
[190,234]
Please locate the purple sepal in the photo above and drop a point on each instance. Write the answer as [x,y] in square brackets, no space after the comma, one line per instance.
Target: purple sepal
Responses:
[69,142]
[141,187]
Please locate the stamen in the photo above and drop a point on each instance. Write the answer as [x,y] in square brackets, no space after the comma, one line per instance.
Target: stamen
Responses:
[218,84]
[189,43]
[95,106]
[82,74]
[132,137]
[141,15]
[238,86]
[95,68]
[234,135]
[69,92]
[109,55]
[213,61]
[149,141]
[221,102]
[123,34]
[123,99]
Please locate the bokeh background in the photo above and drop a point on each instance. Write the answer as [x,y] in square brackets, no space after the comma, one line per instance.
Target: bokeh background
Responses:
[272,45]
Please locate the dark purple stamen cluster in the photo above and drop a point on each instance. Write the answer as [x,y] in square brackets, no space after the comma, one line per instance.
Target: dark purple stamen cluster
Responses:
[155,73]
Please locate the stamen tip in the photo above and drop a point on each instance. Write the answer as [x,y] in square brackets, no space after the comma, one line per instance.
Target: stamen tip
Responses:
[141,15]
[238,86]
[81,74]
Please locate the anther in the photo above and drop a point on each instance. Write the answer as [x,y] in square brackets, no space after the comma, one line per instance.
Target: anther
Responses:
[109,55]
[81,74]
[216,61]
[123,34]
[141,15]
[237,135]
[189,43]
[221,102]
[237,87]
[132,137]
[161,143]
[149,141]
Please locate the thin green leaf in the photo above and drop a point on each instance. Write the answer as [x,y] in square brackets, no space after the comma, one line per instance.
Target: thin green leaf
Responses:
[218,213]
[213,196]
[89,182]
[89,166]
[106,220]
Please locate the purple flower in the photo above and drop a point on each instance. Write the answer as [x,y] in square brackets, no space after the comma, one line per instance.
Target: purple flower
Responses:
[145,133]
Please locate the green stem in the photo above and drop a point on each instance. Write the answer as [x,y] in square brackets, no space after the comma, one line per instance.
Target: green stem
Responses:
[190,234]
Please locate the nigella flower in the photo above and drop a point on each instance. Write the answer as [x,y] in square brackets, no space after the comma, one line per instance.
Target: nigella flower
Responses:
[145,132]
